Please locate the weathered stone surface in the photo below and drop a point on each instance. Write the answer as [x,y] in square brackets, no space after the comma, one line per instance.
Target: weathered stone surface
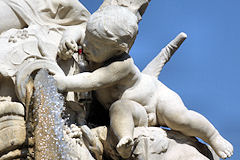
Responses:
[154,143]
[12,126]
[77,148]
[133,98]
[14,108]
[151,143]
[7,92]
[18,153]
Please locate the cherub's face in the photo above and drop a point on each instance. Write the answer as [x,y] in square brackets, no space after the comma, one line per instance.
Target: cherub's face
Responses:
[98,50]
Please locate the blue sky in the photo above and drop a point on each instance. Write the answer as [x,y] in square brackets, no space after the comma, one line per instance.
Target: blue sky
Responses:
[205,71]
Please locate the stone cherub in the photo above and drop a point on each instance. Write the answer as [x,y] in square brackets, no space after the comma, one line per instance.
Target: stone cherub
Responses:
[129,95]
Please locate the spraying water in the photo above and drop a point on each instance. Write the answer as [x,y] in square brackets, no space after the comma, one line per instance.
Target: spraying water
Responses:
[48,107]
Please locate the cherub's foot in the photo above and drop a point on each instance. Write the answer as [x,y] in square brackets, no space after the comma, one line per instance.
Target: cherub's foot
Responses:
[124,147]
[221,146]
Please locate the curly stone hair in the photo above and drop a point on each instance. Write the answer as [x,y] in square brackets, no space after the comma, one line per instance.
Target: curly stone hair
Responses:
[115,24]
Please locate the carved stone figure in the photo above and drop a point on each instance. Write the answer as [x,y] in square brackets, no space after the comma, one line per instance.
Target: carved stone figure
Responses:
[156,143]
[12,126]
[45,22]
[29,37]
[46,34]
[133,98]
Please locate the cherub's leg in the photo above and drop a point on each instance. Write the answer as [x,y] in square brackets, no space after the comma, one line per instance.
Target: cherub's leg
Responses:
[124,116]
[12,20]
[178,117]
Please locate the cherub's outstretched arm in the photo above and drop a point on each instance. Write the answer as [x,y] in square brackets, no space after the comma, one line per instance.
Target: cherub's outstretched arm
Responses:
[100,78]
[156,65]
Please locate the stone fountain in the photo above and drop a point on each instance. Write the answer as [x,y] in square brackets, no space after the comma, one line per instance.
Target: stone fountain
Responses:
[37,122]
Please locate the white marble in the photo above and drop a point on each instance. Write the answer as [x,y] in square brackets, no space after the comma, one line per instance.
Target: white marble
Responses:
[134,98]
[39,33]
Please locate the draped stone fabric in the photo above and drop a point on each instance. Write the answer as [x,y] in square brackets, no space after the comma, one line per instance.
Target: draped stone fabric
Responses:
[46,20]
[51,12]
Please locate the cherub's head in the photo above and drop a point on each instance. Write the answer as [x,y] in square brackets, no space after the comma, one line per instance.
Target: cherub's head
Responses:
[110,31]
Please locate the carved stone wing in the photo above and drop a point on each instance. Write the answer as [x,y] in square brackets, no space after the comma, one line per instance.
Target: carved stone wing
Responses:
[156,65]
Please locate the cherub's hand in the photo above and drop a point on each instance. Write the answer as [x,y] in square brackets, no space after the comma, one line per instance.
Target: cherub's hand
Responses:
[66,48]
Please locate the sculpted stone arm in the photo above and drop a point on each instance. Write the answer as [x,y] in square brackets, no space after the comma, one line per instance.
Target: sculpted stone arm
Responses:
[100,78]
